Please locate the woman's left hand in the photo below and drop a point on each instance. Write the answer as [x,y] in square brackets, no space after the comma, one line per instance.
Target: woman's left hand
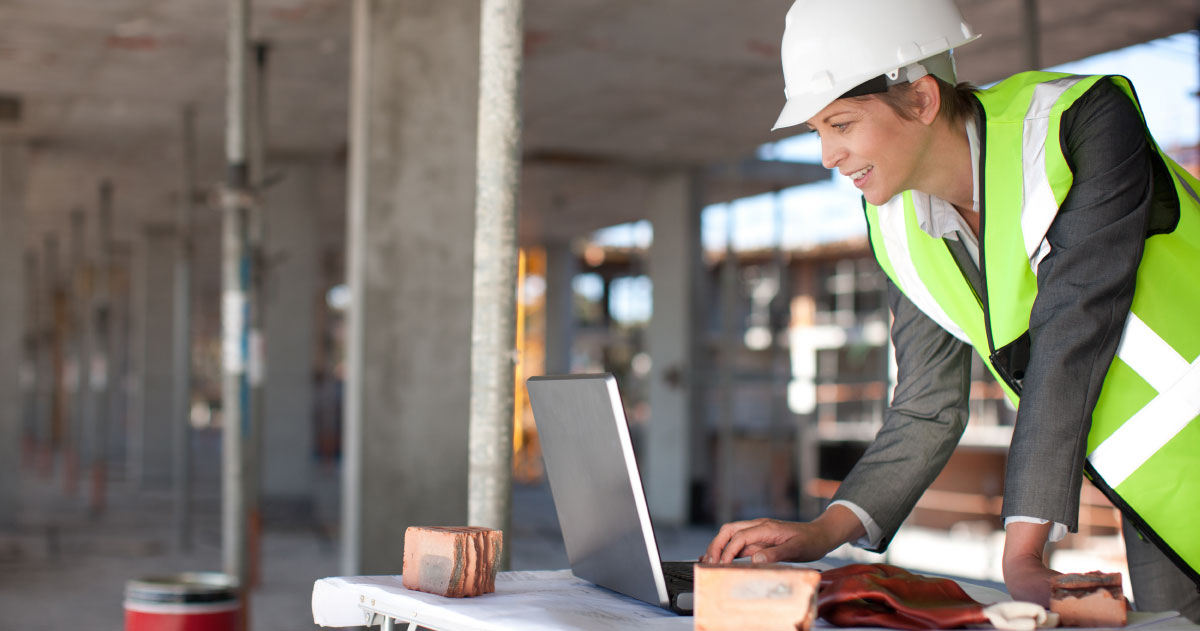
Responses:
[1025,573]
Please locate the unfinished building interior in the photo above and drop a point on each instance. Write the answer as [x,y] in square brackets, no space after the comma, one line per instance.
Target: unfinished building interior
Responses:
[303,262]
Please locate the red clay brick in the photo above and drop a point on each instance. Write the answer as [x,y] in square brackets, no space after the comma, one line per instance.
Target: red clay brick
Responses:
[452,561]
[1093,599]
[755,597]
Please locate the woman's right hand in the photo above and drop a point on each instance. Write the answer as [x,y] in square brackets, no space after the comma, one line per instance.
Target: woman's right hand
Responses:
[769,541]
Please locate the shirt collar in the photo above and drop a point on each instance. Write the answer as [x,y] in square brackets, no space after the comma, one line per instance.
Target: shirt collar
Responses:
[938,218]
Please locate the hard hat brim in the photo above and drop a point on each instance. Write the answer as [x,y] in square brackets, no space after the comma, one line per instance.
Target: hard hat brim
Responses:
[796,113]
[797,110]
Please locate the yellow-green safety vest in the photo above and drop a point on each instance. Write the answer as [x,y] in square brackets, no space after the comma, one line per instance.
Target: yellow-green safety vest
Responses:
[1144,444]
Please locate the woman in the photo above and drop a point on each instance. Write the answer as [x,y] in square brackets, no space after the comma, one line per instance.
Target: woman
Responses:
[1037,223]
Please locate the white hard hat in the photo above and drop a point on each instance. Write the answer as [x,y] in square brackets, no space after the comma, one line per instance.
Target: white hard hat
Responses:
[832,47]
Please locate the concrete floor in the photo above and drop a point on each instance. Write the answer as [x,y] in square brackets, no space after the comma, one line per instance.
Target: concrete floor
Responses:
[62,568]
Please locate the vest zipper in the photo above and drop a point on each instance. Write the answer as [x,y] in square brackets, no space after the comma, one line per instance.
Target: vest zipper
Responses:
[965,275]
[983,285]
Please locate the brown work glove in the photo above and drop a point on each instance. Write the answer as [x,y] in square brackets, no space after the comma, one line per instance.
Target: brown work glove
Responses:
[880,595]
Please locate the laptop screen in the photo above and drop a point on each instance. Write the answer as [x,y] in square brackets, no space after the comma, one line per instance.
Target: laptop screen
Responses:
[596,486]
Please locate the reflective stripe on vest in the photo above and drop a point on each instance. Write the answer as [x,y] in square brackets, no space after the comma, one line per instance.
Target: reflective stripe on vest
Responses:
[1040,203]
[1145,434]
[1176,405]
[895,233]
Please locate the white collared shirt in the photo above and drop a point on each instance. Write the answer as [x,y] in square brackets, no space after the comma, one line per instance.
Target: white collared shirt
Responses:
[942,220]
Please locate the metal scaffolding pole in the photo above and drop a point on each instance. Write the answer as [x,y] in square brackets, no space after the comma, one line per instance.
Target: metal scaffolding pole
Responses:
[30,379]
[356,202]
[78,368]
[120,354]
[99,386]
[493,322]
[725,375]
[181,390]
[1033,36]
[39,355]
[236,273]
[257,147]
[52,359]
[781,367]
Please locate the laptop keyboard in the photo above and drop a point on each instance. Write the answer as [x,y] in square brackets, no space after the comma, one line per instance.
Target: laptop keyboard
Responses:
[678,570]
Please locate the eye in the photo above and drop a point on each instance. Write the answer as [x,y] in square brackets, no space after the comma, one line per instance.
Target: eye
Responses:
[840,126]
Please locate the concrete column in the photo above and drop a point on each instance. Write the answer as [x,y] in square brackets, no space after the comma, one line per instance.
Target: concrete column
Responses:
[410,246]
[12,317]
[674,265]
[292,257]
[561,267]
[157,430]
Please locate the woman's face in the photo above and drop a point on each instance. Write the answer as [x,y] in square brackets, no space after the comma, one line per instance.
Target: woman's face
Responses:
[865,140]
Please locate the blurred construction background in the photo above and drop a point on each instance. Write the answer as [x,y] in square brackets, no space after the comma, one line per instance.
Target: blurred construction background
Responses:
[663,234]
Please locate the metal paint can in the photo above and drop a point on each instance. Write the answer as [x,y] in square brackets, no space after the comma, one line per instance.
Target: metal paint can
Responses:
[191,601]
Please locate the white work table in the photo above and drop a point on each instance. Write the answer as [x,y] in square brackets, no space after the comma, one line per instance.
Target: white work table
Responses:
[545,600]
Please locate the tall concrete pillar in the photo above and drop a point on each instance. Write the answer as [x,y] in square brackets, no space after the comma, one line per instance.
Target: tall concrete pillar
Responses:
[156,429]
[12,323]
[674,266]
[414,96]
[561,267]
[292,258]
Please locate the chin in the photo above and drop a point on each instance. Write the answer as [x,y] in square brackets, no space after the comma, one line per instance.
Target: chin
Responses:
[876,198]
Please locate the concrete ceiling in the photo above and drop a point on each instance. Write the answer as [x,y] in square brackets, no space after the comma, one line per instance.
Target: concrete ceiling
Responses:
[612,87]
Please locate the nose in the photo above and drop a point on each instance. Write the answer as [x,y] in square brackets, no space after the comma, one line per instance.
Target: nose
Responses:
[832,153]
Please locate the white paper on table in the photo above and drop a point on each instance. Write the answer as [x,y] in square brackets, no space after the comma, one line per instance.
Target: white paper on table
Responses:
[548,600]
[557,600]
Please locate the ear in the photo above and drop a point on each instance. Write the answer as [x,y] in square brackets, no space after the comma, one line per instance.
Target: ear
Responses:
[927,99]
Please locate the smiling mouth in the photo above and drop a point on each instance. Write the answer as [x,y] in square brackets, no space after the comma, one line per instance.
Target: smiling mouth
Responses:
[860,174]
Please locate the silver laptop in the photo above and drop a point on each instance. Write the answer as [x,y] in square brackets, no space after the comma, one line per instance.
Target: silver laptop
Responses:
[598,493]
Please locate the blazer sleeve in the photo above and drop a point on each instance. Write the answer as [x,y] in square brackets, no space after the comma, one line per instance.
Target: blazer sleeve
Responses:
[1085,289]
[922,425]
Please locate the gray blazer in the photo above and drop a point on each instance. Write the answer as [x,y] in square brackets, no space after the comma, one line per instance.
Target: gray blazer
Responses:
[1085,288]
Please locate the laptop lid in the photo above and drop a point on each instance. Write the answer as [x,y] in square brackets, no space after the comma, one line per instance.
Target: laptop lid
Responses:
[595,483]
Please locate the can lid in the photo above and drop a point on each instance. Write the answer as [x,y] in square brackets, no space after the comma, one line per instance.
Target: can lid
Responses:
[185,587]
